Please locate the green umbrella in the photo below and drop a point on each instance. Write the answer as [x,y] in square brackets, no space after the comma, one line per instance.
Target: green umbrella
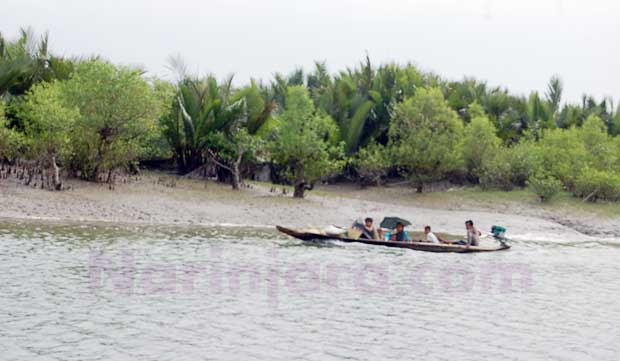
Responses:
[391,222]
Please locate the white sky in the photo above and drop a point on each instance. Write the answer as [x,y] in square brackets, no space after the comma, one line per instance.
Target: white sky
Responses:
[515,43]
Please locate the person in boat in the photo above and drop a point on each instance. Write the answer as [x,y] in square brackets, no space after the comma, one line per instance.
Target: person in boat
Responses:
[432,237]
[400,235]
[473,235]
[368,230]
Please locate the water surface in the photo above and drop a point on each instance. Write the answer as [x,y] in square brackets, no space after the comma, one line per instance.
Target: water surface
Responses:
[93,292]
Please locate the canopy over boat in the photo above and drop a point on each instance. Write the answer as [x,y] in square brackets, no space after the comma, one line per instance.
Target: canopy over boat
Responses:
[418,246]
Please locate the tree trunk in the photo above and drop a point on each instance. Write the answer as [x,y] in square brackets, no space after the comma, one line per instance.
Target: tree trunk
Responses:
[299,190]
[591,194]
[236,178]
[419,187]
[30,173]
[109,177]
[56,174]
[236,172]
[95,174]
[102,150]
[223,175]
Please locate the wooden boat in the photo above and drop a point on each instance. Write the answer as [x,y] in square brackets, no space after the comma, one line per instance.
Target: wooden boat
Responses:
[418,246]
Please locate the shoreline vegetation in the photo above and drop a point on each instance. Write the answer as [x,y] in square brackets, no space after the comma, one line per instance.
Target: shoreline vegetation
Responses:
[76,125]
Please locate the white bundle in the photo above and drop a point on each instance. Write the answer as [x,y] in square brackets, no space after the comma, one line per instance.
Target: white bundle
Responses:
[333,230]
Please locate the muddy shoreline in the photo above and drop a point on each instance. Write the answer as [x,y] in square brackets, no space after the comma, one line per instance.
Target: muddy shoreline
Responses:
[178,201]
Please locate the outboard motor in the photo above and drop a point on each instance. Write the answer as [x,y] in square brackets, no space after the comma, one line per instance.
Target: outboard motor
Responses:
[498,233]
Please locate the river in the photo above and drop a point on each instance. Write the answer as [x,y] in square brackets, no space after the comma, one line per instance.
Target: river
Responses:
[96,292]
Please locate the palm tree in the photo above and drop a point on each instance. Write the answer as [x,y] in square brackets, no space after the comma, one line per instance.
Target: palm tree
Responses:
[200,107]
[539,116]
[554,93]
[461,94]
[23,62]
[27,61]
[359,99]
[319,83]
[354,107]
[207,119]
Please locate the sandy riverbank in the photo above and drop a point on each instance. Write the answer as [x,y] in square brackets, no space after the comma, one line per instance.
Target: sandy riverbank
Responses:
[150,200]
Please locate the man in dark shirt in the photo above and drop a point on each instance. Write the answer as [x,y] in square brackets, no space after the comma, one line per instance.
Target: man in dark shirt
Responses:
[368,231]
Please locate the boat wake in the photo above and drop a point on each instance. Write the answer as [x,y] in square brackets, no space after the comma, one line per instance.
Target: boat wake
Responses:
[611,243]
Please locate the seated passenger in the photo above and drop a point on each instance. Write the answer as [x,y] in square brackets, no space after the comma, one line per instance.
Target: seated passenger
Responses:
[473,235]
[400,235]
[432,237]
[368,231]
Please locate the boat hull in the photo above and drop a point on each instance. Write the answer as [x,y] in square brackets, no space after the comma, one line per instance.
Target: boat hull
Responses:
[418,246]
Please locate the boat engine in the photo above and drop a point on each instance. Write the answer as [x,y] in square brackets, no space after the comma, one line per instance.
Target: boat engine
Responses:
[499,233]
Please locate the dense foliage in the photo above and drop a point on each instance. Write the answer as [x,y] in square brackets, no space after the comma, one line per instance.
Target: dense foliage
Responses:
[544,186]
[11,142]
[301,144]
[94,122]
[213,122]
[89,118]
[480,141]
[425,137]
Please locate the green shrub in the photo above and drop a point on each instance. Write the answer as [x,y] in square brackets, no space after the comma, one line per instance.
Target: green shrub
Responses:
[496,171]
[544,186]
[600,146]
[300,146]
[593,185]
[562,154]
[566,153]
[509,167]
[523,162]
[426,137]
[372,163]
[98,120]
[11,142]
[479,143]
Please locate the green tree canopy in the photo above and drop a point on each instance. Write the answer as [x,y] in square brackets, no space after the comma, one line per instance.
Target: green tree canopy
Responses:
[425,136]
[27,61]
[372,163]
[117,110]
[104,113]
[10,140]
[479,140]
[301,144]
[49,123]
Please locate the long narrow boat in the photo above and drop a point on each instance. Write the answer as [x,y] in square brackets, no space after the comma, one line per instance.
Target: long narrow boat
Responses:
[418,246]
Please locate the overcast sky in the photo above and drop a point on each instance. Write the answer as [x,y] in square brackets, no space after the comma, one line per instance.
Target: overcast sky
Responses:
[515,43]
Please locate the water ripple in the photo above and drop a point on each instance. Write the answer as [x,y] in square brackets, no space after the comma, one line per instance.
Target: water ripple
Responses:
[96,294]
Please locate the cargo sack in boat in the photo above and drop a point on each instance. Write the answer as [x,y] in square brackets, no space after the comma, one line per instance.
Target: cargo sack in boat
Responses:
[332,230]
[354,233]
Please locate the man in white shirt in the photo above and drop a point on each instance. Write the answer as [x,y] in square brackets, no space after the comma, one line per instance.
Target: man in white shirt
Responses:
[431,237]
